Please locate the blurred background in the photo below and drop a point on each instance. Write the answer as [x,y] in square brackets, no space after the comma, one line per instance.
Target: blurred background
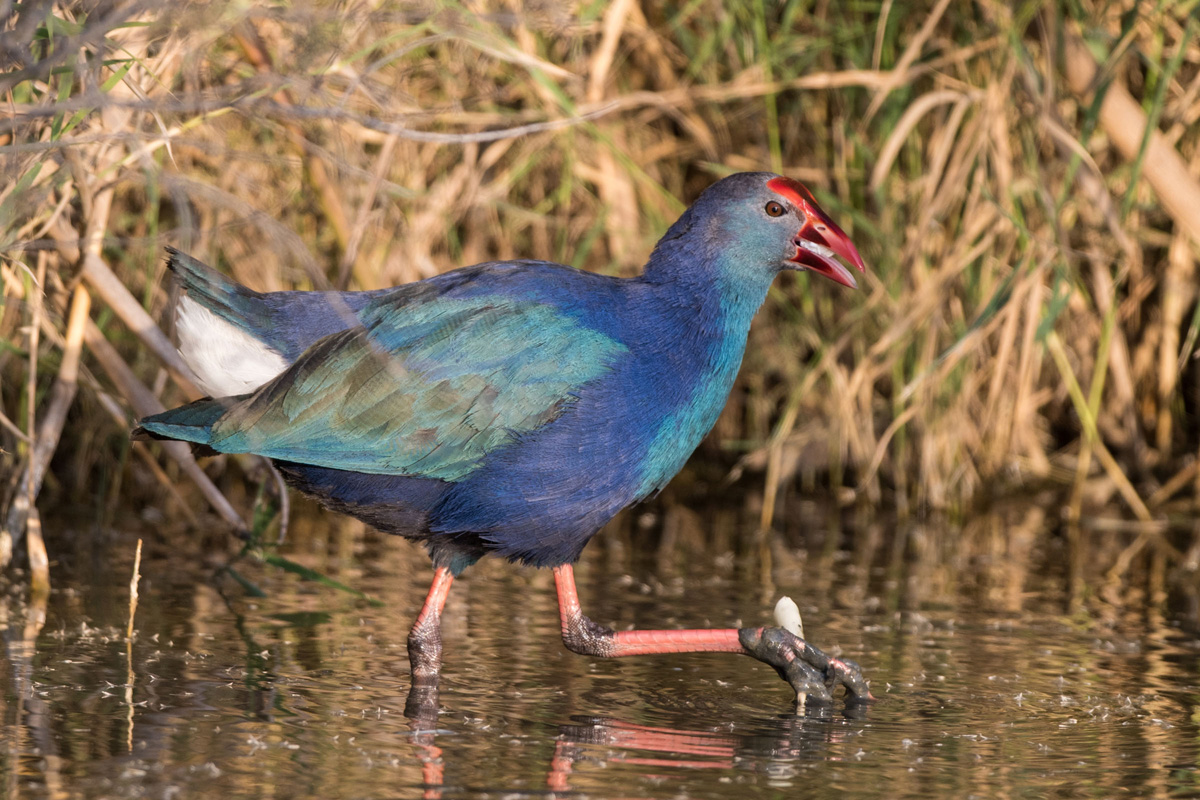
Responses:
[1004,417]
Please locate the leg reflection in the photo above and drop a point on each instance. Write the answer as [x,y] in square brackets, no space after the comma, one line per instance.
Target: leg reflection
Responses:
[421,708]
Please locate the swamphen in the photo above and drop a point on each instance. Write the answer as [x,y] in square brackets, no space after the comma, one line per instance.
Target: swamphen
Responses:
[510,407]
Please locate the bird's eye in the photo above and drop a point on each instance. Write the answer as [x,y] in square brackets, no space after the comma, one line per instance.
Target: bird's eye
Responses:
[774,209]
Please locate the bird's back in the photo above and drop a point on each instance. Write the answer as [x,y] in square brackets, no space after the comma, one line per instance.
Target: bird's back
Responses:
[236,339]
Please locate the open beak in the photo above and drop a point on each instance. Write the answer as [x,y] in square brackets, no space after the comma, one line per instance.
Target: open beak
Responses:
[819,241]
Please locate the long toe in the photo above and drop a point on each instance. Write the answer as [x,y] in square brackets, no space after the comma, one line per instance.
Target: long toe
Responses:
[810,671]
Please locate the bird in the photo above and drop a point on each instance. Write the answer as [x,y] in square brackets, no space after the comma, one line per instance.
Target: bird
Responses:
[511,408]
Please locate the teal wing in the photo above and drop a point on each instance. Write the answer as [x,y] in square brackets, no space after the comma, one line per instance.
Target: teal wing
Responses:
[426,391]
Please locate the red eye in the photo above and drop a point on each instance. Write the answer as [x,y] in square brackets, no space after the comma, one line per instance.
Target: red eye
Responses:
[774,209]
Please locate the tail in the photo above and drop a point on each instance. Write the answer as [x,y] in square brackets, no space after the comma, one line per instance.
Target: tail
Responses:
[190,423]
[224,329]
[220,295]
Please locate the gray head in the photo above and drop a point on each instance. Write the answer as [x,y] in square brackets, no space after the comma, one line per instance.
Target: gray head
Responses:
[751,226]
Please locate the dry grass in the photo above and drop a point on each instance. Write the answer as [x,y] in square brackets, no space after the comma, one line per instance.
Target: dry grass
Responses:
[1029,319]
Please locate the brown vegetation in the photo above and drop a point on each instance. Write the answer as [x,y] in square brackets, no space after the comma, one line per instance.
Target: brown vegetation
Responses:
[1022,184]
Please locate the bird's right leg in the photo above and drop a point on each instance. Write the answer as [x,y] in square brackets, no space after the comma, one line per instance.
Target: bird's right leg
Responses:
[808,670]
[425,638]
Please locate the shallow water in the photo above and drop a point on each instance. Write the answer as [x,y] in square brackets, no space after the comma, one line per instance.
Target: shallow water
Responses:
[986,686]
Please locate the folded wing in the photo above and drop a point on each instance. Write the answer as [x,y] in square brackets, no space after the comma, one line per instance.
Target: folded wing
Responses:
[426,391]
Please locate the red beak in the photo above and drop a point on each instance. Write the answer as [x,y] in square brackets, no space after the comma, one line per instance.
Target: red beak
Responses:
[819,238]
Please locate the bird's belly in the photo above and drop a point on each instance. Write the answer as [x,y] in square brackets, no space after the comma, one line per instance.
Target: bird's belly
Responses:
[541,499]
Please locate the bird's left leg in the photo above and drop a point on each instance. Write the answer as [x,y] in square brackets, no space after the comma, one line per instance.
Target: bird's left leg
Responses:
[807,669]
[425,638]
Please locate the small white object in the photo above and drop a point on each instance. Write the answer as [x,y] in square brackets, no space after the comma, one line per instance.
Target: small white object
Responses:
[226,359]
[819,249]
[787,616]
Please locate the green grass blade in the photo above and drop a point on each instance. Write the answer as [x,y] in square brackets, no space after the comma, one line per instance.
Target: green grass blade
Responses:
[287,565]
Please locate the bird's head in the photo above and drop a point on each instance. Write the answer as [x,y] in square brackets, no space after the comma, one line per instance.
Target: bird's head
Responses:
[759,223]
[818,239]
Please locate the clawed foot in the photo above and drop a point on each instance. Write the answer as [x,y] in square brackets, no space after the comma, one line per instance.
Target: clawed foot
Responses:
[813,673]
[425,655]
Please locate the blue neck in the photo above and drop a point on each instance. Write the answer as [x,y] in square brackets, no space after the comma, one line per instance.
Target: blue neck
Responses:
[710,328]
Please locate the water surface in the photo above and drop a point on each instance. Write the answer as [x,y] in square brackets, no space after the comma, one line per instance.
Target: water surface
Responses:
[996,675]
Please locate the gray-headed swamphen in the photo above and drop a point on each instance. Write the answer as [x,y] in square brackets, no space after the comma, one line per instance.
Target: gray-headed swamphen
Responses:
[510,407]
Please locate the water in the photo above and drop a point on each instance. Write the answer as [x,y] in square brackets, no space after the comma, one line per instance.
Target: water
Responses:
[995,677]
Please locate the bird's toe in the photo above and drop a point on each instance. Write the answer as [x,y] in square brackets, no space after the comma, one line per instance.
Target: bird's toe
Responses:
[810,671]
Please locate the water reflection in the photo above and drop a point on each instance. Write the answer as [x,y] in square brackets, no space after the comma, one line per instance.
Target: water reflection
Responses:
[592,746]
[988,683]
[596,743]
[22,626]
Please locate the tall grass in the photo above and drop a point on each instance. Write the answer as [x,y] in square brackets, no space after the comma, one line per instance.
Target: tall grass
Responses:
[1018,179]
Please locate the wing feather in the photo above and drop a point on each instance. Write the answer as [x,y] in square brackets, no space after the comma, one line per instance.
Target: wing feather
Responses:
[424,392]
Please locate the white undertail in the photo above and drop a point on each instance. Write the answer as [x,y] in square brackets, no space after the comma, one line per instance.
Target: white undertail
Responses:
[226,359]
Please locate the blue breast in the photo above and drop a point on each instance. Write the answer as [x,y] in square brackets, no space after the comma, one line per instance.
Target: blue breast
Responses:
[625,437]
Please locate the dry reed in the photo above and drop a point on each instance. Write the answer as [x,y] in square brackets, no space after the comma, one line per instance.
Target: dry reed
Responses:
[1023,184]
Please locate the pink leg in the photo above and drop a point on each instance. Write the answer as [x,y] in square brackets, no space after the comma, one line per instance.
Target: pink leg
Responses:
[425,638]
[809,671]
[585,637]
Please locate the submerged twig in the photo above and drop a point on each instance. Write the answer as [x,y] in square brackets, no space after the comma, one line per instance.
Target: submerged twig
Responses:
[129,674]
[285,502]
[39,559]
